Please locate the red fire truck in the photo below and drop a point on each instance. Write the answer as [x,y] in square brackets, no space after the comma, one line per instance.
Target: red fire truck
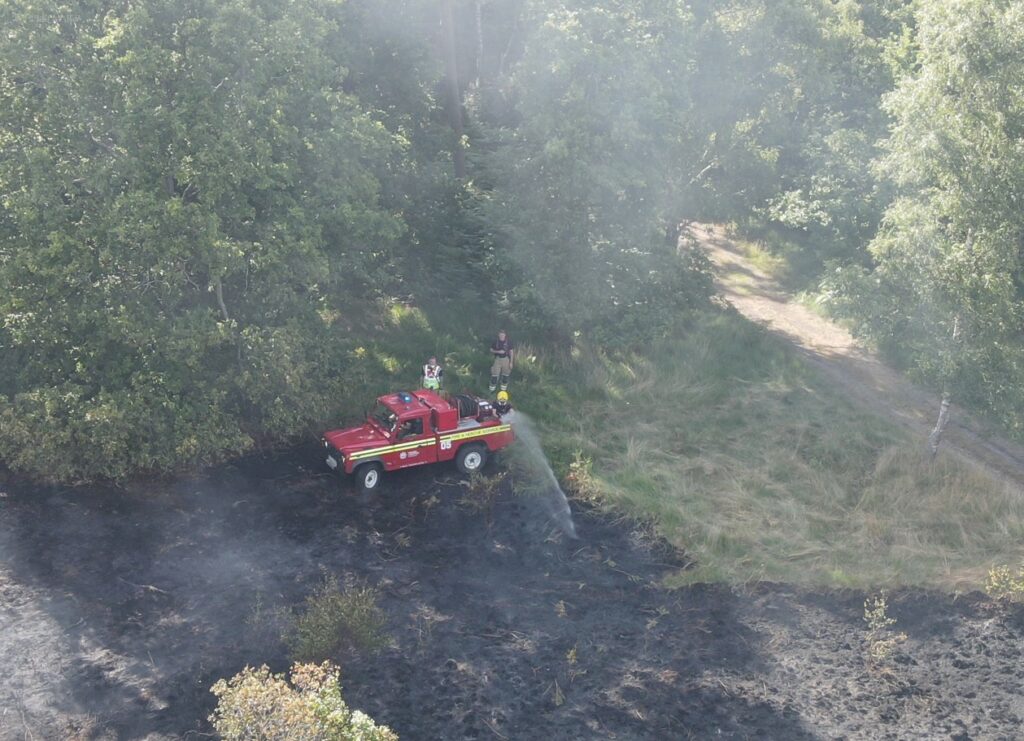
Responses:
[415,428]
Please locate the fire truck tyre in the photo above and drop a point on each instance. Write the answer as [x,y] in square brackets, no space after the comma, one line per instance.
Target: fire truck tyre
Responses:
[368,476]
[471,458]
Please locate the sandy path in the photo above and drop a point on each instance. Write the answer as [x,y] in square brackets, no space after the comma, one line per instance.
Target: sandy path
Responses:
[834,350]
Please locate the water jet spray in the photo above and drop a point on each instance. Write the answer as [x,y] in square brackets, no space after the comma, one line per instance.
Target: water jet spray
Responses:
[533,466]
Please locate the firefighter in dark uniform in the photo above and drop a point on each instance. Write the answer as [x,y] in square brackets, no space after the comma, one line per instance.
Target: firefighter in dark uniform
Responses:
[501,368]
[502,405]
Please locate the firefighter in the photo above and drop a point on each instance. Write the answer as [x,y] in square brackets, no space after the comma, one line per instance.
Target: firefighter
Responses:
[432,374]
[504,359]
[501,404]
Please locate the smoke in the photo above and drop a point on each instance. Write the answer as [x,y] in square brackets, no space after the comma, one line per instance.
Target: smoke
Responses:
[118,600]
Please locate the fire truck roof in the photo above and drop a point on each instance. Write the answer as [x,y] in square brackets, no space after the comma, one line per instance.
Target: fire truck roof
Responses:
[405,400]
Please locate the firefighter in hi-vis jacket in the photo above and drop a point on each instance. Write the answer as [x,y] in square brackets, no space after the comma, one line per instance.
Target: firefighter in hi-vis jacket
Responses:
[432,374]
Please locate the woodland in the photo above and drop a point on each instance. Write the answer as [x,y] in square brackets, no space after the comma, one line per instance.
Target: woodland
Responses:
[210,209]
[228,225]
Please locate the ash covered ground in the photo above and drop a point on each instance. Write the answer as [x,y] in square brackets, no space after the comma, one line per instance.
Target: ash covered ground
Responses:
[120,607]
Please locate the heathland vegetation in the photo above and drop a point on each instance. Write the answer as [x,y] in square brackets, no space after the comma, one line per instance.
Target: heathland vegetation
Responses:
[225,225]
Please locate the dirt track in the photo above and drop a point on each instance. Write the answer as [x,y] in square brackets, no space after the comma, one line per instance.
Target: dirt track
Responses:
[845,362]
[120,609]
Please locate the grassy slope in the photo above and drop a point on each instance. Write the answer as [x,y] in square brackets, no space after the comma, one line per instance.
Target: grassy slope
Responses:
[741,455]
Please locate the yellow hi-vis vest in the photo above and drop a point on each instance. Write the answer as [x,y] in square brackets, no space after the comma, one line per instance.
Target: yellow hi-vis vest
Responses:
[431,375]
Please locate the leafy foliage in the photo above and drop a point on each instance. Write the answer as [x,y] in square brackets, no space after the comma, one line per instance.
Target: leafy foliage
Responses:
[1003,583]
[815,76]
[587,184]
[187,187]
[208,209]
[945,295]
[257,705]
[334,617]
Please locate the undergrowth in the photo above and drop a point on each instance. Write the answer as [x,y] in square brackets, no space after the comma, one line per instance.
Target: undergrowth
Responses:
[1004,583]
[255,704]
[881,640]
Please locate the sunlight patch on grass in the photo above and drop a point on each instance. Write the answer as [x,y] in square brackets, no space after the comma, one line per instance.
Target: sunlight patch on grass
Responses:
[760,257]
[403,315]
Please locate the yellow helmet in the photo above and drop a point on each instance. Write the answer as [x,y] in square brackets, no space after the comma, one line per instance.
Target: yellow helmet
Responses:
[503,396]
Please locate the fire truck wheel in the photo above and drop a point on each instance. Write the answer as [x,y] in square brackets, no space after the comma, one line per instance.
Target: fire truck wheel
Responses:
[368,476]
[471,458]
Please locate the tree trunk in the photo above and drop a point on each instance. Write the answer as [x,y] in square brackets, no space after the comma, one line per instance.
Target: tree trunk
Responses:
[218,288]
[452,84]
[935,438]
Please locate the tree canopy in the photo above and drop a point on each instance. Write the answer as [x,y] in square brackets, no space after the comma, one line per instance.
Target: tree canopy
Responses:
[945,290]
[206,207]
[187,188]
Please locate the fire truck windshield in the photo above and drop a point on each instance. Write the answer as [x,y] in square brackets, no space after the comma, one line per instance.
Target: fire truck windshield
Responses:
[384,417]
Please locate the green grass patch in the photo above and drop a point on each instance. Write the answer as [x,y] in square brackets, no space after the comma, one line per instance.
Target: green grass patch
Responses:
[758,255]
[796,262]
[741,455]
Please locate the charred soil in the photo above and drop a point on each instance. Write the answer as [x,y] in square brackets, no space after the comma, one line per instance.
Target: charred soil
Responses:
[121,608]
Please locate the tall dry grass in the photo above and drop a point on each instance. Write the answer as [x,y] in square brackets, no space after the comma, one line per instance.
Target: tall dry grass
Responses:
[747,460]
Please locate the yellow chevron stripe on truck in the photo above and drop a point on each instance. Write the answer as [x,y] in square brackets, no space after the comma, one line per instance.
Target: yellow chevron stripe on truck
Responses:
[424,443]
[390,449]
[476,433]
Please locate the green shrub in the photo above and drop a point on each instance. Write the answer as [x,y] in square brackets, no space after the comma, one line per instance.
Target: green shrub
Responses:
[334,618]
[1003,584]
[580,479]
[255,704]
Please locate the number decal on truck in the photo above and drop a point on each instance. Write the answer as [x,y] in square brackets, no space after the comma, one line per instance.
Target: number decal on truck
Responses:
[446,445]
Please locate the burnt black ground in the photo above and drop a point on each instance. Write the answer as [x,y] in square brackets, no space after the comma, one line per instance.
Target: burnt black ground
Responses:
[121,607]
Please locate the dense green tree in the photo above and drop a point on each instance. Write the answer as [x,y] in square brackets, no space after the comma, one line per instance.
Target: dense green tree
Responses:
[200,201]
[947,294]
[795,90]
[187,190]
[589,180]
[628,117]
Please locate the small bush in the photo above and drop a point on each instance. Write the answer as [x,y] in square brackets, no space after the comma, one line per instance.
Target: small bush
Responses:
[333,618]
[881,641]
[1003,584]
[255,704]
